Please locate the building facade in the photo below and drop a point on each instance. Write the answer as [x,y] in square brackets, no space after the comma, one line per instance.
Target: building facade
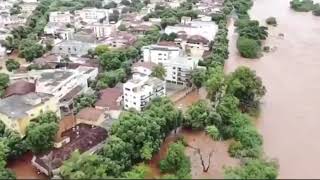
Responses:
[140,90]
[17,111]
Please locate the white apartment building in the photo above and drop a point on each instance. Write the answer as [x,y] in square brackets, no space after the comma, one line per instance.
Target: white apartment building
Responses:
[159,54]
[141,89]
[102,29]
[178,66]
[60,17]
[92,15]
[207,29]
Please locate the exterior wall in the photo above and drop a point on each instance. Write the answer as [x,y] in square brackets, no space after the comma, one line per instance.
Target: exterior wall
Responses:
[72,49]
[138,97]
[92,15]
[20,125]
[61,17]
[96,123]
[159,55]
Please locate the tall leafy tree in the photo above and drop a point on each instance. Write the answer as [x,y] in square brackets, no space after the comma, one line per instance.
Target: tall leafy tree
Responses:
[159,71]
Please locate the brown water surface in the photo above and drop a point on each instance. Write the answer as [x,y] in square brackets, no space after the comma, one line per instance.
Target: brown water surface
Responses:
[290,115]
[23,168]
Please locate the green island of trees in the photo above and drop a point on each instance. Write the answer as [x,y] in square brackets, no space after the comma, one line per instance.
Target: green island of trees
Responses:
[12,65]
[305,6]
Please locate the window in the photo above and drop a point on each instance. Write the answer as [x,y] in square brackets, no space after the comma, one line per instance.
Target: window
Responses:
[173,77]
[134,97]
[159,54]
[135,103]
[174,72]
[127,89]
[126,100]
[174,68]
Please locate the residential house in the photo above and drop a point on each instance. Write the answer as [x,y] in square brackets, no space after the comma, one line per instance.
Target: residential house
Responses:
[119,40]
[92,15]
[140,90]
[177,64]
[29,7]
[102,30]
[16,111]
[72,48]
[195,45]
[61,17]
[20,87]
[207,29]
[82,137]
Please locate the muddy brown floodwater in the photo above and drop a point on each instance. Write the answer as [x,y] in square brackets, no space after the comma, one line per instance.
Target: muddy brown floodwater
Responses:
[23,168]
[197,139]
[290,116]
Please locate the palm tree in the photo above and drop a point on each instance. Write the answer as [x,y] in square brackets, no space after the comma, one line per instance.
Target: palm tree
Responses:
[159,72]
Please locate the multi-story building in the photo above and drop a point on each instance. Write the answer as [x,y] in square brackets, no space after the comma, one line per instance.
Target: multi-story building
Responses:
[61,17]
[140,90]
[178,66]
[159,54]
[62,84]
[102,29]
[207,29]
[119,40]
[92,15]
[17,111]
[72,48]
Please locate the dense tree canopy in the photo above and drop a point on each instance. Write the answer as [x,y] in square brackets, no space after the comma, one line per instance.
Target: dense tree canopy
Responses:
[247,87]
[248,48]
[42,129]
[85,100]
[159,72]
[12,65]
[254,169]
[176,162]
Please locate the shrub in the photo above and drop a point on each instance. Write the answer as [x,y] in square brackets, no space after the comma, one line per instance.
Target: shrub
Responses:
[12,65]
[213,132]
[271,21]
[248,48]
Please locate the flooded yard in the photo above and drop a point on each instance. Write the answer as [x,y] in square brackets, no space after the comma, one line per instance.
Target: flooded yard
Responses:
[23,168]
[197,139]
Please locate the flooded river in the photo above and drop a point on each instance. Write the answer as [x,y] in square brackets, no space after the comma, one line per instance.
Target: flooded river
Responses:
[290,117]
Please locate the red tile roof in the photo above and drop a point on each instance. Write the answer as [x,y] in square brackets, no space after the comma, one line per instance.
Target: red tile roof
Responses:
[19,88]
[89,114]
[108,98]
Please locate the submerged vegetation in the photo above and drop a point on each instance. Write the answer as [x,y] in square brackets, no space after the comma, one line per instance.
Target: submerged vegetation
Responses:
[305,6]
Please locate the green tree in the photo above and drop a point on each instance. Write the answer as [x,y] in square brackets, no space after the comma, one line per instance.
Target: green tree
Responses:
[39,133]
[247,87]
[4,81]
[316,10]
[198,77]
[271,21]
[254,169]
[216,80]
[125,2]
[42,129]
[122,27]
[30,49]
[85,100]
[84,166]
[138,172]
[101,49]
[12,65]
[176,162]
[111,5]
[213,132]
[159,71]
[197,116]
[248,48]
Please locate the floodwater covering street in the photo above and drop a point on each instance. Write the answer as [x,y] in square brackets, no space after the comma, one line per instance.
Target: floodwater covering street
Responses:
[289,119]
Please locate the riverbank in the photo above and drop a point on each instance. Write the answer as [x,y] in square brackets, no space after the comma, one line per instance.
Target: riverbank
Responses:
[289,115]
